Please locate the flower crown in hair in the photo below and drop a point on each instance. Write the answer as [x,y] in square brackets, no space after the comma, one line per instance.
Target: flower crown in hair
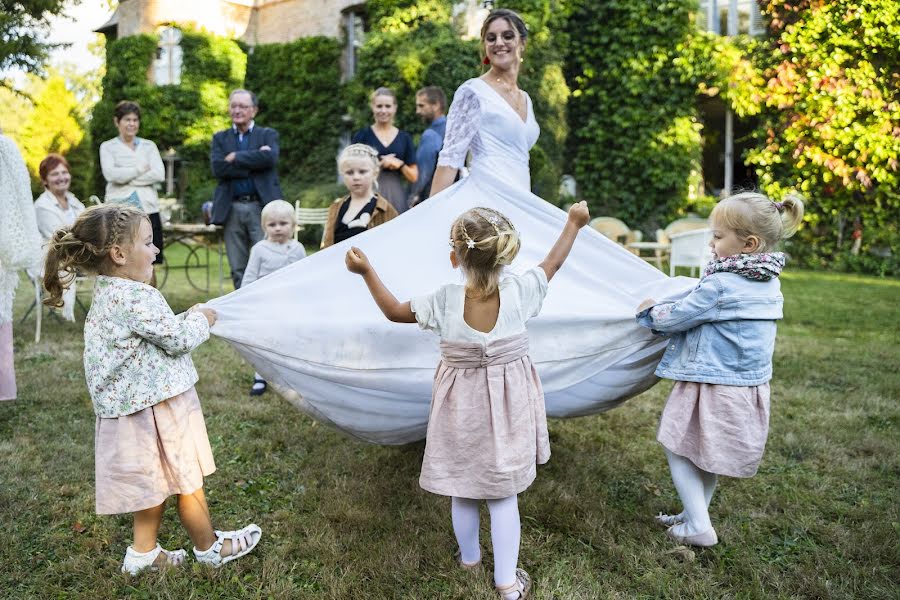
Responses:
[494,221]
[360,150]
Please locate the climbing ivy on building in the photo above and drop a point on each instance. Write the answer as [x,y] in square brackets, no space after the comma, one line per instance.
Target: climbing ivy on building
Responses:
[634,128]
[414,44]
[300,95]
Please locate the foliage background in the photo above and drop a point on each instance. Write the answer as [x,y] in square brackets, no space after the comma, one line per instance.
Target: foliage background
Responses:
[830,126]
[299,94]
[635,156]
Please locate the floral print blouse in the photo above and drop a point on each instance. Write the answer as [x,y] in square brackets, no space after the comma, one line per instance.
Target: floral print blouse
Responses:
[137,352]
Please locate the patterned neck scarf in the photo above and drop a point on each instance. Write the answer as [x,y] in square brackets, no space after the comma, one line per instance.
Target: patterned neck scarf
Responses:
[758,267]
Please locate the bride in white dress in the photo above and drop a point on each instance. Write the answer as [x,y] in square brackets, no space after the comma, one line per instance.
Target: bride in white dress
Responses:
[313,330]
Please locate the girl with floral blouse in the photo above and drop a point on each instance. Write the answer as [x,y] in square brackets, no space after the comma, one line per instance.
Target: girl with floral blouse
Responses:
[151,440]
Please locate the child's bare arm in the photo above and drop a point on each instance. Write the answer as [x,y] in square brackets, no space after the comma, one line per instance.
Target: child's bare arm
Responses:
[395,311]
[578,218]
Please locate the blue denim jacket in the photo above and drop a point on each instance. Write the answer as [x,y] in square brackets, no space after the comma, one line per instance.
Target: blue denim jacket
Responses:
[722,332]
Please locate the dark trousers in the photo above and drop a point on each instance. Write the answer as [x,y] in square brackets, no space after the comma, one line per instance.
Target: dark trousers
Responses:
[242,230]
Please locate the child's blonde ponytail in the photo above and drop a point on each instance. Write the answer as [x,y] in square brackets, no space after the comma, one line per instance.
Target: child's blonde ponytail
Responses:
[484,241]
[791,209]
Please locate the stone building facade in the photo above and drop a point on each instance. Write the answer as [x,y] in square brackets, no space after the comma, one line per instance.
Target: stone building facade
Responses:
[252,21]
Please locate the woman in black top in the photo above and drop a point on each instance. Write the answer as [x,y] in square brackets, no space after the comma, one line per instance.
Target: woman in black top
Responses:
[395,148]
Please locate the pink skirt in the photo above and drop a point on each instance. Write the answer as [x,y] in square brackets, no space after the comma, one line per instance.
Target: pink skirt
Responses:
[143,458]
[720,428]
[487,430]
[7,367]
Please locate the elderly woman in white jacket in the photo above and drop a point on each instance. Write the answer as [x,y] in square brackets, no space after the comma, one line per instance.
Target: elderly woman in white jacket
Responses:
[56,207]
[132,165]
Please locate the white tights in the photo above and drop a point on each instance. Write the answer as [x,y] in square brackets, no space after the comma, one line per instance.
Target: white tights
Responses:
[695,488]
[505,534]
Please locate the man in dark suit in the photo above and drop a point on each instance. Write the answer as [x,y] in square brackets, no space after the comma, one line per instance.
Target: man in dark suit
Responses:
[243,159]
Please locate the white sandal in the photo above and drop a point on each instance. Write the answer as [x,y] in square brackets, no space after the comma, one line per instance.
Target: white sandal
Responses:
[242,542]
[522,584]
[668,520]
[135,561]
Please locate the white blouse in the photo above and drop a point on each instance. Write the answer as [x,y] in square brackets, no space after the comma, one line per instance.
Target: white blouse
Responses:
[521,298]
[50,216]
[123,169]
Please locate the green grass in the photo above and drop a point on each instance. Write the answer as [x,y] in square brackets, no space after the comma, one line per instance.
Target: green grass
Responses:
[346,520]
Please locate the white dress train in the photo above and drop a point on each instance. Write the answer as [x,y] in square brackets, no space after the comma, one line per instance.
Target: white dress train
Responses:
[314,329]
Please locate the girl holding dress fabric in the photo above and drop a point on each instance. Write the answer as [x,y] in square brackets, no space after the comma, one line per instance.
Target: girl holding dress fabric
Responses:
[722,337]
[150,438]
[487,429]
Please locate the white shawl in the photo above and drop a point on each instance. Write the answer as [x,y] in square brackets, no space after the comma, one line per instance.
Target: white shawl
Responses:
[20,243]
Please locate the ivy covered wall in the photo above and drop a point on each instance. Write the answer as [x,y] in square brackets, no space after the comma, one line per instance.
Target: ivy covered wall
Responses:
[634,130]
[300,95]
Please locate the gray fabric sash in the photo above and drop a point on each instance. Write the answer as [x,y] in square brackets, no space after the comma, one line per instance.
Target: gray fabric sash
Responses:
[467,355]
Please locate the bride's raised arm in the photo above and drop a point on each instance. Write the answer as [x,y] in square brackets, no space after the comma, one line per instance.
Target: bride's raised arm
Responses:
[463,121]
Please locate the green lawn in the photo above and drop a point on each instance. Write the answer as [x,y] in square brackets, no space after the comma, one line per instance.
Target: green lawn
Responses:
[345,520]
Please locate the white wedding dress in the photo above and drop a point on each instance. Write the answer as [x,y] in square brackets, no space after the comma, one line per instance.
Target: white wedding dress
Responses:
[314,329]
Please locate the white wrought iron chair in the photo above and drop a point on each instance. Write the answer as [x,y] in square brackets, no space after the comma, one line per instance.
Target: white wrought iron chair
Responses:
[690,249]
[661,247]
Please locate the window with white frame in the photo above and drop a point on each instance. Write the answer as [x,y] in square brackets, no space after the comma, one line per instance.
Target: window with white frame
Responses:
[714,14]
[167,66]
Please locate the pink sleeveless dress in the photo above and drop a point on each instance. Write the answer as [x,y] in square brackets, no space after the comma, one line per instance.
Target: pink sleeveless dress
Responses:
[487,428]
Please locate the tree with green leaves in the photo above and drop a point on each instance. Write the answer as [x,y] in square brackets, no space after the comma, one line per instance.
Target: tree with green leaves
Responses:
[54,125]
[831,120]
[24,29]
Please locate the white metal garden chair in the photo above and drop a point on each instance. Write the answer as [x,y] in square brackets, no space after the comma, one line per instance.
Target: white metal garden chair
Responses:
[690,249]
[309,216]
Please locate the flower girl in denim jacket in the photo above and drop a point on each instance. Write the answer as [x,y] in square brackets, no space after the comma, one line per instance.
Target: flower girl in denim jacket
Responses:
[150,439]
[722,337]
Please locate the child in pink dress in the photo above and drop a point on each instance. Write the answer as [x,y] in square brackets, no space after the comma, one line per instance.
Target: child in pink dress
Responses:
[150,437]
[722,337]
[487,429]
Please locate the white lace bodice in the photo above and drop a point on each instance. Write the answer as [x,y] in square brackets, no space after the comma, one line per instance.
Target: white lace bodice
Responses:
[482,122]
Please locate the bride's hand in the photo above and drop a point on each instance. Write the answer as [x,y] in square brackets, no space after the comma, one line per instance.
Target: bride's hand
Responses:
[357,262]
[579,215]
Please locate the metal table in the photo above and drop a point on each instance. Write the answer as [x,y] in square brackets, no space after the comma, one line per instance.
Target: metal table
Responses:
[197,239]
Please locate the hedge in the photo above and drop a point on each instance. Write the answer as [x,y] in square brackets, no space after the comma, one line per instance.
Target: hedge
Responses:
[300,95]
[634,128]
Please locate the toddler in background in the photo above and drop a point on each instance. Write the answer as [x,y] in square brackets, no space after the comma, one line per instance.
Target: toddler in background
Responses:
[277,250]
[150,438]
[716,419]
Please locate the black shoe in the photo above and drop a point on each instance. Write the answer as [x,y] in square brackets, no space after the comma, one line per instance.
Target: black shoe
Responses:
[259,387]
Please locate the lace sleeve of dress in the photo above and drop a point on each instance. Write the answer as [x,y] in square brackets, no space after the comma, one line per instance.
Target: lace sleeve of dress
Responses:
[462,125]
